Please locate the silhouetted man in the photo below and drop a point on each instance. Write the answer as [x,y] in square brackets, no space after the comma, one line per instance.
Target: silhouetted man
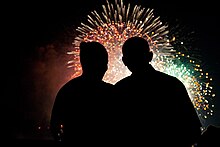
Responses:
[155,108]
[81,109]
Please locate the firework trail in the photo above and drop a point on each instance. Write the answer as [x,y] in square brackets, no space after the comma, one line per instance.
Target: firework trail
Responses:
[117,23]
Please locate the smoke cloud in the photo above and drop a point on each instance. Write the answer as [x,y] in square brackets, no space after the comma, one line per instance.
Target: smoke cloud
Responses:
[44,73]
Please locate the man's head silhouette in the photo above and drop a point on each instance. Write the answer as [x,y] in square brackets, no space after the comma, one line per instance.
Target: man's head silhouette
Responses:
[136,53]
[93,59]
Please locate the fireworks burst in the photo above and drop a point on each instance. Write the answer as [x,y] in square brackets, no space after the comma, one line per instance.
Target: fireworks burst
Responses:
[117,23]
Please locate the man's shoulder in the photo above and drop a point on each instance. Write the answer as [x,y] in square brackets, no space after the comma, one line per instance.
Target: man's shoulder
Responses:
[167,77]
[124,80]
[71,84]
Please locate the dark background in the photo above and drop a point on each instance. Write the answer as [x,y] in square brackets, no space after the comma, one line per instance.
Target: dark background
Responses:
[39,33]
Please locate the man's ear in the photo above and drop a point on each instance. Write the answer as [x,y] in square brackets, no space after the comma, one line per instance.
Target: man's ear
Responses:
[150,56]
[123,60]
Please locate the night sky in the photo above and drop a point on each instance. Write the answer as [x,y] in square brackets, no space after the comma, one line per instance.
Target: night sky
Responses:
[39,34]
